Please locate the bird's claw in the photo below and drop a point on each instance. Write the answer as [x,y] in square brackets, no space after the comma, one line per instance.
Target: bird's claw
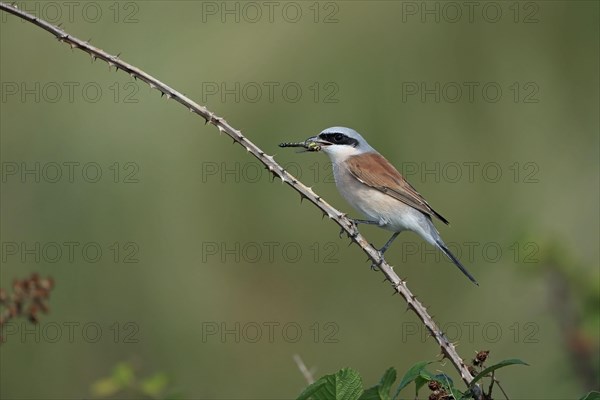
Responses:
[375,265]
[353,224]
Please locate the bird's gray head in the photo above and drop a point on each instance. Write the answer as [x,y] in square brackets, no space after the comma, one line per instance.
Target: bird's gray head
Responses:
[340,143]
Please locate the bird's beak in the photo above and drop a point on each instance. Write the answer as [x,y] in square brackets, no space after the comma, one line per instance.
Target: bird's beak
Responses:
[318,141]
[314,144]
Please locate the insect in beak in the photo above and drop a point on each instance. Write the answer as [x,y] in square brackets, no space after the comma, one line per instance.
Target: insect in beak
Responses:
[308,145]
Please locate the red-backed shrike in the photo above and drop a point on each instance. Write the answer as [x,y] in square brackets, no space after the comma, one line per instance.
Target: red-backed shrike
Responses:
[375,188]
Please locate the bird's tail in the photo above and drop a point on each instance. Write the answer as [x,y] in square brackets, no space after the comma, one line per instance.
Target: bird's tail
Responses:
[442,246]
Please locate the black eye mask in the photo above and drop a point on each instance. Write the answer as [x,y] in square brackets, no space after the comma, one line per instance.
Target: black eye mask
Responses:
[339,138]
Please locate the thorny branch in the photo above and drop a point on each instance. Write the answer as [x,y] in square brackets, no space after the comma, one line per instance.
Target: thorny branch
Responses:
[448,349]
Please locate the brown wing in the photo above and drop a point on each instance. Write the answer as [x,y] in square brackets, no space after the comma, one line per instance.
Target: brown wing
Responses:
[375,171]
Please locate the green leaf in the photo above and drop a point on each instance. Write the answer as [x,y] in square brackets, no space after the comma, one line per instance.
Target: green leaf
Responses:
[411,375]
[426,375]
[312,389]
[345,384]
[457,394]
[420,381]
[105,387]
[505,363]
[123,375]
[381,391]
[371,393]
[153,386]
[386,382]
[444,379]
[591,396]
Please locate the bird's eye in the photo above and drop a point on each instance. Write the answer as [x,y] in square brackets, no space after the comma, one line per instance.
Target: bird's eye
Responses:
[338,137]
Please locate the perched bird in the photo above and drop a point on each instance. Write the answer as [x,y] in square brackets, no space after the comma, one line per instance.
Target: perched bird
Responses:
[375,188]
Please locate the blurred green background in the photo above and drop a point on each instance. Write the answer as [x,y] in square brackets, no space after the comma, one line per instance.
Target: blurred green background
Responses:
[215,276]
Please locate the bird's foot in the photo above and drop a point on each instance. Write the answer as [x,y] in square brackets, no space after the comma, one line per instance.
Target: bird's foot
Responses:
[353,226]
[375,265]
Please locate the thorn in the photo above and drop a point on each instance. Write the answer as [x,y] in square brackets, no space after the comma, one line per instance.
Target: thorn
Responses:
[118,55]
